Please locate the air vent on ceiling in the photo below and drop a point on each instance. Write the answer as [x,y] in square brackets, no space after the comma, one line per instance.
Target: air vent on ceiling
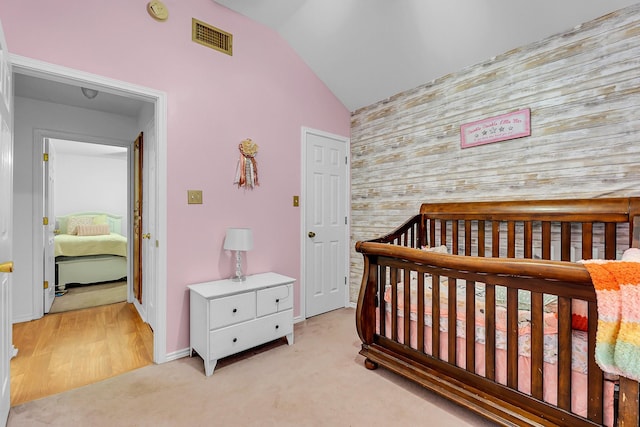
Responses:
[212,37]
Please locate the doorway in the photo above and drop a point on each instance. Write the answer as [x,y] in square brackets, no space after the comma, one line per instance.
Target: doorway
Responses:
[85,181]
[153,313]
[325,229]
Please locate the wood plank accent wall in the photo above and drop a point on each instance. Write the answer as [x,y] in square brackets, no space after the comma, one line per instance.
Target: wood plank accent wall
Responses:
[583,89]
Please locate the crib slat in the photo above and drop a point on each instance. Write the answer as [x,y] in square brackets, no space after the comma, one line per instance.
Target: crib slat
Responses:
[435,316]
[394,303]
[595,375]
[470,324]
[495,239]
[489,335]
[587,240]
[412,237]
[512,338]
[432,232]
[528,239]
[454,237]
[407,306]
[546,240]
[511,239]
[451,334]
[629,392]
[420,312]
[565,241]
[564,353]
[467,238]
[537,345]
[382,304]
[481,237]
[610,241]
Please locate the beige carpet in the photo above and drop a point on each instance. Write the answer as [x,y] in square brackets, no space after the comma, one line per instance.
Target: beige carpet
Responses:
[79,297]
[318,381]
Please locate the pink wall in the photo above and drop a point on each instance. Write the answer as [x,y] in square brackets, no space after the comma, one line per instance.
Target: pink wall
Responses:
[264,91]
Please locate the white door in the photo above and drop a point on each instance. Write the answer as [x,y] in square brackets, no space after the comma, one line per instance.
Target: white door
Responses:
[325,221]
[149,198]
[6,227]
[48,181]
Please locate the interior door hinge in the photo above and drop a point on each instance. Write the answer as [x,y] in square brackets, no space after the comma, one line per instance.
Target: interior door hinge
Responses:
[45,157]
[345,280]
[45,220]
[345,160]
[46,284]
[345,220]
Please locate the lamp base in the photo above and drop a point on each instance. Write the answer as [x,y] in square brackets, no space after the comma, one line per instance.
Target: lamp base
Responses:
[239,277]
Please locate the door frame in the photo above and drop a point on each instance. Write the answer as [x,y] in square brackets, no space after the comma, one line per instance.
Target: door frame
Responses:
[39,135]
[305,132]
[47,71]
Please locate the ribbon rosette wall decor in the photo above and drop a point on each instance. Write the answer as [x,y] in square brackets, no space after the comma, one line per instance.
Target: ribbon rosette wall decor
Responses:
[247,169]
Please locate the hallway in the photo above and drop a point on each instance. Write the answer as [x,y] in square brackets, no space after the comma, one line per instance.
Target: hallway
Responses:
[63,351]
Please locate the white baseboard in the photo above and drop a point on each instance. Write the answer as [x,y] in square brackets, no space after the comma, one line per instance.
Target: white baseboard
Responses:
[179,354]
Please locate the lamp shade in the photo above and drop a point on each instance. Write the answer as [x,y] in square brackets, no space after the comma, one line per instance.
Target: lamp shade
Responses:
[238,239]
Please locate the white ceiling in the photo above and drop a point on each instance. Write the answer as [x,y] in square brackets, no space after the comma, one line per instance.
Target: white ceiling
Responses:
[368,50]
[27,86]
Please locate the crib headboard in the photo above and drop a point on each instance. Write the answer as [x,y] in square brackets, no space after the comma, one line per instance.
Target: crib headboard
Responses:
[114,221]
[565,230]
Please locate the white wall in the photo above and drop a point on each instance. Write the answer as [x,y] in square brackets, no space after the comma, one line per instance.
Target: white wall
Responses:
[33,116]
[91,183]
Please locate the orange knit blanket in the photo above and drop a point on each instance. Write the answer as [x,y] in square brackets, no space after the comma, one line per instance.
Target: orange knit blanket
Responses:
[617,285]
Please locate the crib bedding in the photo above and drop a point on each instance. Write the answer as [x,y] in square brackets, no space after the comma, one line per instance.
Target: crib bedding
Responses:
[579,379]
[73,245]
[579,341]
[550,341]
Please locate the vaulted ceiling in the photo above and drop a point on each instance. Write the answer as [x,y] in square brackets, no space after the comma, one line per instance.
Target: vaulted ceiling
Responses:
[368,50]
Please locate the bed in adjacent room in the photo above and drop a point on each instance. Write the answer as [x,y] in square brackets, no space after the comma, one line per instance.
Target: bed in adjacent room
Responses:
[89,248]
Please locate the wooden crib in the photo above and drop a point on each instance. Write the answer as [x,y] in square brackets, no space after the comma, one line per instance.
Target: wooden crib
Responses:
[503,276]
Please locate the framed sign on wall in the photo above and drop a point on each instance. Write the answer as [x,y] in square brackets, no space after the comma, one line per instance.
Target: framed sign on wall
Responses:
[493,129]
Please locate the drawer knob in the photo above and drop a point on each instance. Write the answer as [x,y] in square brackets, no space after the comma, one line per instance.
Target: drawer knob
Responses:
[235,310]
[235,340]
[277,300]
[277,326]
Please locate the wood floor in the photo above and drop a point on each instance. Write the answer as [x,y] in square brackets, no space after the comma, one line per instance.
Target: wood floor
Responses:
[67,350]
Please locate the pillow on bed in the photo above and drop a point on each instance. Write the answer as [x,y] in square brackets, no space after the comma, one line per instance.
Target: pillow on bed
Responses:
[93,230]
[75,221]
[100,219]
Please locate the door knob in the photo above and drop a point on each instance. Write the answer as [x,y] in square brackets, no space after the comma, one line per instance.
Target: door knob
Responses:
[312,234]
[146,236]
[6,267]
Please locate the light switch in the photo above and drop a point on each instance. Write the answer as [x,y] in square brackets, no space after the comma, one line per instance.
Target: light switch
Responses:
[194,197]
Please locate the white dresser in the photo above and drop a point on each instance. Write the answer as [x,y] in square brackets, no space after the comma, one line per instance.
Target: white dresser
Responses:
[229,317]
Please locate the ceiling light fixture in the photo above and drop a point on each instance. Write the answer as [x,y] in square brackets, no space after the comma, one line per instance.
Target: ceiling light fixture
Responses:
[89,93]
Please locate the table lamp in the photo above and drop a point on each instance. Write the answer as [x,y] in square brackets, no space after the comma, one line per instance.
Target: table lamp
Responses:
[239,240]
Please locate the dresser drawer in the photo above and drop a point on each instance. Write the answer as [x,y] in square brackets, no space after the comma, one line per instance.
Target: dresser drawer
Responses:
[233,339]
[273,300]
[233,309]
[230,340]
